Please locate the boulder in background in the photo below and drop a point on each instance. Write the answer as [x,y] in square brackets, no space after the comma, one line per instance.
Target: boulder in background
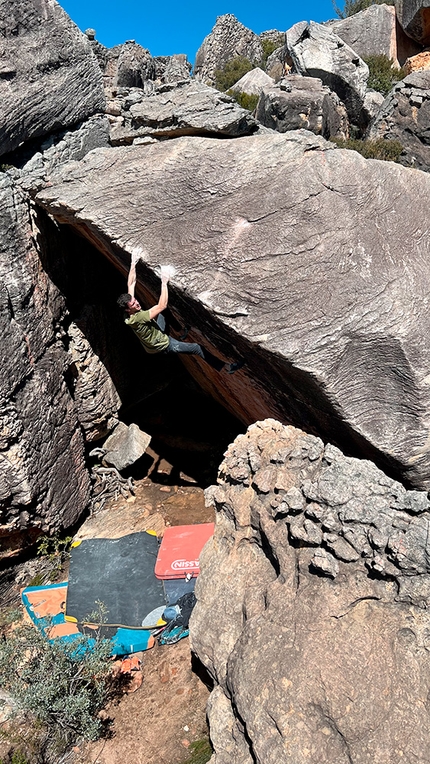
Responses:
[375,32]
[298,102]
[318,52]
[405,117]
[414,18]
[228,39]
[49,78]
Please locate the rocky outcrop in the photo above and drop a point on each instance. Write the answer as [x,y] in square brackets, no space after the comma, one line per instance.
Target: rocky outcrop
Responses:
[253,82]
[186,108]
[311,607]
[405,117]
[31,165]
[375,32]
[317,52]
[44,483]
[174,68]
[49,78]
[303,102]
[280,261]
[414,17]
[228,39]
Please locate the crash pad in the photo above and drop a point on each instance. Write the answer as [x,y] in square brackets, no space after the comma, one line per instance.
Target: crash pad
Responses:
[180,550]
[118,573]
[46,607]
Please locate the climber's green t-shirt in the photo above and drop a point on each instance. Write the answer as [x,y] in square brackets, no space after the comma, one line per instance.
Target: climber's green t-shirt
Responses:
[148,331]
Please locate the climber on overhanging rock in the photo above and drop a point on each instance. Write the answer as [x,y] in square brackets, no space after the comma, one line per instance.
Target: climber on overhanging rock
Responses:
[149,325]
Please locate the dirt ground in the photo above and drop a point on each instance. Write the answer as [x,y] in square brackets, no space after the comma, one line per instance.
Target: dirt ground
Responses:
[166,714]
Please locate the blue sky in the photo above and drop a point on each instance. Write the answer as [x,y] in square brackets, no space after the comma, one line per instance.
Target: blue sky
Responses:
[177,27]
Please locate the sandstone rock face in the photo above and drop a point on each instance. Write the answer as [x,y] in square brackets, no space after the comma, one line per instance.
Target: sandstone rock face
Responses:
[311,607]
[317,52]
[418,63]
[253,82]
[303,102]
[186,108]
[405,116]
[373,32]
[414,17]
[43,52]
[44,483]
[228,39]
[96,399]
[280,260]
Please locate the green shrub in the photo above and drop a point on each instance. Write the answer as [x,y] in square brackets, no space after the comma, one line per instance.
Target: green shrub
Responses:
[355,6]
[61,685]
[269,46]
[232,71]
[382,74]
[200,752]
[244,100]
[379,149]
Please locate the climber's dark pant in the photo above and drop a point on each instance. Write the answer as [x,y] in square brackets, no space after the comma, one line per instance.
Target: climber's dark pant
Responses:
[191,348]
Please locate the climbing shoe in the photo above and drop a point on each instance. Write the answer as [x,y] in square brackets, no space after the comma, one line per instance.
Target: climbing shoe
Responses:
[232,367]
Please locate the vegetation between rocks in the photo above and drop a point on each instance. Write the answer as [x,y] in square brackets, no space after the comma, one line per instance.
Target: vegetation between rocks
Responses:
[245,100]
[200,752]
[232,72]
[355,6]
[378,149]
[60,687]
[382,73]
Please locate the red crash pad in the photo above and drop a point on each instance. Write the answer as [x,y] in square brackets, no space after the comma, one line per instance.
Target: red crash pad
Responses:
[180,550]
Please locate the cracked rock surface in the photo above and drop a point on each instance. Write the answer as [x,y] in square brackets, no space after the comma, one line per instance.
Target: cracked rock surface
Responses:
[312,607]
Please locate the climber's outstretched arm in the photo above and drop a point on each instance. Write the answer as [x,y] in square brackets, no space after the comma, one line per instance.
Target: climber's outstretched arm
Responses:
[131,281]
[162,302]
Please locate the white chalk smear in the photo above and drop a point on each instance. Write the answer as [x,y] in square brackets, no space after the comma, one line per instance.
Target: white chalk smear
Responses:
[167,271]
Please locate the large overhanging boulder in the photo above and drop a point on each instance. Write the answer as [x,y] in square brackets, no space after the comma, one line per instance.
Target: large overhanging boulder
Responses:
[414,17]
[405,117]
[303,102]
[49,77]
[312,605]
[374,32]
[228,39]
[308,260]
[318,52]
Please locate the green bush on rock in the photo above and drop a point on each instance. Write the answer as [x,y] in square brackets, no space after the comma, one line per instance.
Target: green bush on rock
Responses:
[232,72]
[382,74]
[245,100]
